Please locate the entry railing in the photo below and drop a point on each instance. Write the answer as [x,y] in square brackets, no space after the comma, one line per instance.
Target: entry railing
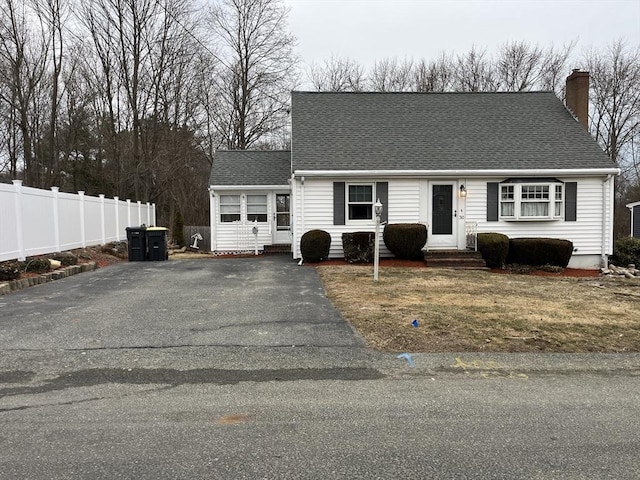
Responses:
[471,235]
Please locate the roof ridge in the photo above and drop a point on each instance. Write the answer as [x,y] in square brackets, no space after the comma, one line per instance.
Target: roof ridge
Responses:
[421,93]
[251,151]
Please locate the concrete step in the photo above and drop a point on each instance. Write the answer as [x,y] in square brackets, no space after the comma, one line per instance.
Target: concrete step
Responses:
[459,259]
[281,248]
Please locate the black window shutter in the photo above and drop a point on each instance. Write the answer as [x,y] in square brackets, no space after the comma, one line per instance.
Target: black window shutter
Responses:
[570,201]
[492,201]
[382,194]
[636,222]
[338,203]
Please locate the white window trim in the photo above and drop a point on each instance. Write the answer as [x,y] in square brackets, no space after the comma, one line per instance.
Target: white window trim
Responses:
[220,205]
[244,209]
[266,204]
[518,201]
[362,221]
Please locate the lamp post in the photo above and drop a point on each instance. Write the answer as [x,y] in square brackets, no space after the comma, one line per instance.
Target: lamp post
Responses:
[376,256]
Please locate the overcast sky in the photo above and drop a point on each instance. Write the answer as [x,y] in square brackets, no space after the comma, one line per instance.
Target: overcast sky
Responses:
[369,30]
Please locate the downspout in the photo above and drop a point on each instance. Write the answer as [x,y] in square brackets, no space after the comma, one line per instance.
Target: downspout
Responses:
[605,220]
[302,231]
[212,219]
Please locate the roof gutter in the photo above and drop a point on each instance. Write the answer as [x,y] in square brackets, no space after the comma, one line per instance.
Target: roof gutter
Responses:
[458,173]
[248,187]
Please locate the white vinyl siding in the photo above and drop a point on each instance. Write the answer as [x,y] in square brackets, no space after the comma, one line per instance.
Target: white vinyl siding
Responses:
[403,206]
[408,200]
[585,232]
[237,235]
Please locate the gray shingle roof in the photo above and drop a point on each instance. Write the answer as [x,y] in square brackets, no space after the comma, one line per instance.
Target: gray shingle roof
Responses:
[438,131]
[250,167]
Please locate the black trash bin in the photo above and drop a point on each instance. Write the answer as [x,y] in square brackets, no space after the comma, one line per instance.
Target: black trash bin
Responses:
[137,244]
[156,243]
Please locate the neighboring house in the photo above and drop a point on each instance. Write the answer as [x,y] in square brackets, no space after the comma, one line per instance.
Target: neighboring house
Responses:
[514,163]
[635,219]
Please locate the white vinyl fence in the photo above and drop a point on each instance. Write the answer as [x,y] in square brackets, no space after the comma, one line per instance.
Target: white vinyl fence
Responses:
[36,222]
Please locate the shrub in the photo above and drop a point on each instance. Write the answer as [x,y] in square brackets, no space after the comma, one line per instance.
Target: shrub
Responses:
[66,259]
[405,240]
[37,265]
[494,248]
[9,271]
[627,251]
[358,247]
[177,230]
[540,251]
[314,245]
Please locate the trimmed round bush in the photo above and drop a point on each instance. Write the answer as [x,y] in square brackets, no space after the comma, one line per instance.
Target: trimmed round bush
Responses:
[627,251]
[358,247]
[314,245]
[539,251]
[494,248]
[405,240]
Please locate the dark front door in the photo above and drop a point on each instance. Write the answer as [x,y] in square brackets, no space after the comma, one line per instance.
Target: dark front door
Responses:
[442,210]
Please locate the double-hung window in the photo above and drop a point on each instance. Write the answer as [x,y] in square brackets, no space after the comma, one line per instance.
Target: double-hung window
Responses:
[532,201]
[229,208]
[360,201]
[257,208]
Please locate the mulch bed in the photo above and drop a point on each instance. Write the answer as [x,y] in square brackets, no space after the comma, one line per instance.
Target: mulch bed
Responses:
[395,262]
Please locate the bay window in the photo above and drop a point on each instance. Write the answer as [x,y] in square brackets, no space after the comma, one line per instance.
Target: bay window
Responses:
[532,201]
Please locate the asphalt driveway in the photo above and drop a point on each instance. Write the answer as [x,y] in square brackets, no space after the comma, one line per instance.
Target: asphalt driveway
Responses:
[264,301]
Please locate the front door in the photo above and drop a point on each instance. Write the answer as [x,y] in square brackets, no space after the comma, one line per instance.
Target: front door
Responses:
[443,225]
[282,218]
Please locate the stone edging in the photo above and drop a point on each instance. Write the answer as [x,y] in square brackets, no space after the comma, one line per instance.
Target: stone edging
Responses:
[13,285]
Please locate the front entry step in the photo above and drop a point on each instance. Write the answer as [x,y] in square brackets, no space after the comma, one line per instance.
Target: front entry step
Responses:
[460,259]
[278,248]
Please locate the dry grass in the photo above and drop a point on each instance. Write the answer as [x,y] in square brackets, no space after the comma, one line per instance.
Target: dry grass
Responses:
[481,311]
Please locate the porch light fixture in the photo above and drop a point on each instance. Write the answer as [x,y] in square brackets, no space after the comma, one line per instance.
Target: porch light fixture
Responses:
[376,255]
[463,191]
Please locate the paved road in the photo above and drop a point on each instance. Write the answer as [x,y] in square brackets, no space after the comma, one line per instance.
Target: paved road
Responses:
[146,371]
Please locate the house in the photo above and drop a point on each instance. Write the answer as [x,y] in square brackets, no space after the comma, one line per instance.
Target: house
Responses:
[635,219]
[516,163]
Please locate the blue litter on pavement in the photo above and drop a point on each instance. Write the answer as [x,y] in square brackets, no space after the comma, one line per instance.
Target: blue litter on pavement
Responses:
[408,358]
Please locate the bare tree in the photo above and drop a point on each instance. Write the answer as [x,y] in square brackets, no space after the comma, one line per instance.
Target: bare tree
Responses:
[52,14]
[474,72]
[391,75]
[258,69]
[615,98]
[338,74]
[554,68]
[435,75]
[23,55]
[615,117]
[518,66]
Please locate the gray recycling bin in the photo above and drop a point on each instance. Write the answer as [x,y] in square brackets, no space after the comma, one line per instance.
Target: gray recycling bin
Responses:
[156,243]
[137,244]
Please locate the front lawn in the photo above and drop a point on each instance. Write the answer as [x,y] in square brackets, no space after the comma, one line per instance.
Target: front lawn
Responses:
[468,310]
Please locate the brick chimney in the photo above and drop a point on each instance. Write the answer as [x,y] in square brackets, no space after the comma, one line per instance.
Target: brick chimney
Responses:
[577,96]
